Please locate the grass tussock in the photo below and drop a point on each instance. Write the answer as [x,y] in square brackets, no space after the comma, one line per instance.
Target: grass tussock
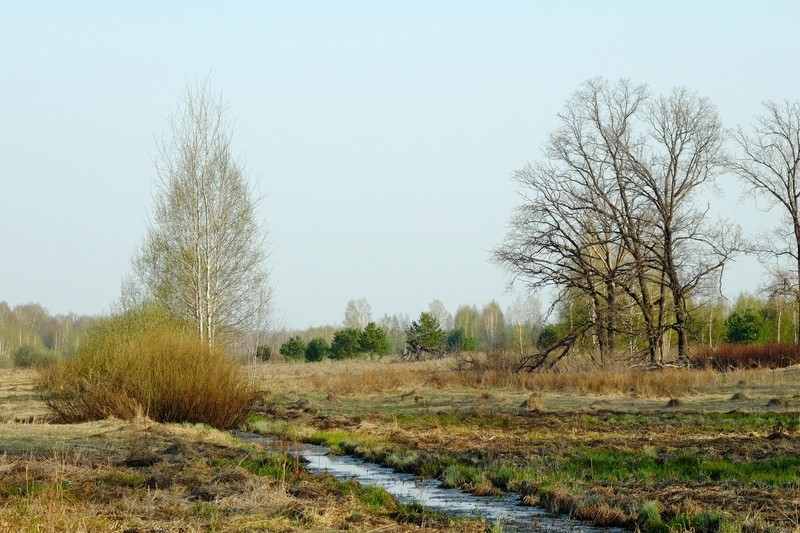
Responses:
[147,364]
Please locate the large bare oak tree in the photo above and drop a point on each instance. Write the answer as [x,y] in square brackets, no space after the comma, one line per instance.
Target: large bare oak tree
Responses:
[612,213]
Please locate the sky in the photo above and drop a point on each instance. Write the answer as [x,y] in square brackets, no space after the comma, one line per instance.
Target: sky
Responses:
[381,135]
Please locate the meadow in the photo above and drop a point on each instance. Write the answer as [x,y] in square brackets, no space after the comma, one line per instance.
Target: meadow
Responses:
[668,450]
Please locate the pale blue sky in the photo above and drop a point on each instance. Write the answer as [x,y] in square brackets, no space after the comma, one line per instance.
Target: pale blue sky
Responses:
[383,134]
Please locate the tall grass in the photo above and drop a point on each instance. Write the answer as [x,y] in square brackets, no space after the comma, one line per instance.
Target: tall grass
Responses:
[353,378]
[147,363]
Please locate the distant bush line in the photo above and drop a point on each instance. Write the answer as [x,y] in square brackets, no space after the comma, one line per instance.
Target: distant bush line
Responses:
[743,356]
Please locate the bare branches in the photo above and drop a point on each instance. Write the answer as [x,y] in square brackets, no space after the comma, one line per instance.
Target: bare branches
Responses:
[768,163]
[609,214]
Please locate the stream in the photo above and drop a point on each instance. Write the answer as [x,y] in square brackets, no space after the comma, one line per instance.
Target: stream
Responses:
[408,488]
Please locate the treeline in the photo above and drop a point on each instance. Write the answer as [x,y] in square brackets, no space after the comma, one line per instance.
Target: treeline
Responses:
[470,328]
[748,320]
[30,335]
[521,330]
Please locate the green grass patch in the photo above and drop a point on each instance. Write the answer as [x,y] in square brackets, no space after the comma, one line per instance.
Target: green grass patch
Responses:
[461,475]
[131,480]
[285,429]
[271,465]
[612,466]
[376,498]
[702,422]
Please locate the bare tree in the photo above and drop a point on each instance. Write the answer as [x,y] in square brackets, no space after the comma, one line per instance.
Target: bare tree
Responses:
[554,242]
[684,154]
[611,215]
[600,121]
[493,325]
[524,316]
[579,228]
[768,162]
[440,313]
[204,253]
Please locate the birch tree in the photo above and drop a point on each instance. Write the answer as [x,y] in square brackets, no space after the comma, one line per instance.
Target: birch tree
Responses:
[204,253]
[440,313]
[357,314]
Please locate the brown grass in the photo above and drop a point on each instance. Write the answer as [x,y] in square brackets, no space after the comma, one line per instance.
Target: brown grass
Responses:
[387,387]
[19,401]
[388,376]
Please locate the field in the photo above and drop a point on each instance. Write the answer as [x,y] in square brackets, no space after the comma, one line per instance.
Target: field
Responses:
[672,450]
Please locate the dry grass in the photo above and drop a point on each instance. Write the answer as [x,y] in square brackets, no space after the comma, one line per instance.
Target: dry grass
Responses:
[345,378]
[388,388]
[142,476]
[18,398]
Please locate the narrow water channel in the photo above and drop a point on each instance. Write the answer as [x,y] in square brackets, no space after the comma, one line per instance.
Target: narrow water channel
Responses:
[407,488]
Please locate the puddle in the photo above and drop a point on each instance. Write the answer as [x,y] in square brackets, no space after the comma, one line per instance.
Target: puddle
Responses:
[407,488]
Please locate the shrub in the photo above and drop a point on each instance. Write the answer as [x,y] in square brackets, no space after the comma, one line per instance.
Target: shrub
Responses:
[148,363]
[735,356]
[264,352]
[33,357]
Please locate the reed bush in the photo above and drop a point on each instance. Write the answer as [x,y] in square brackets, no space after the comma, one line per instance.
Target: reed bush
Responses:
[146,363]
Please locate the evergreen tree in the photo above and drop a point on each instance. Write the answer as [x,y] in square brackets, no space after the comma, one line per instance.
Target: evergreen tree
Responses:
[374,340]
[294,348]
[317,350]
[424,336]
[346,343]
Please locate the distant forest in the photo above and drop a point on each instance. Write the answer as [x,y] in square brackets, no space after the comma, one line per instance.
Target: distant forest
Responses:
[32,326]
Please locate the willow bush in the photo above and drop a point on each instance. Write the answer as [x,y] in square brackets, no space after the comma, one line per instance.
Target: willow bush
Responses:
[147,363]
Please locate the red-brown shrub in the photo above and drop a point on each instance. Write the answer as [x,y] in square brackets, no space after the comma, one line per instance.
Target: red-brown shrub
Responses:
[742,356]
